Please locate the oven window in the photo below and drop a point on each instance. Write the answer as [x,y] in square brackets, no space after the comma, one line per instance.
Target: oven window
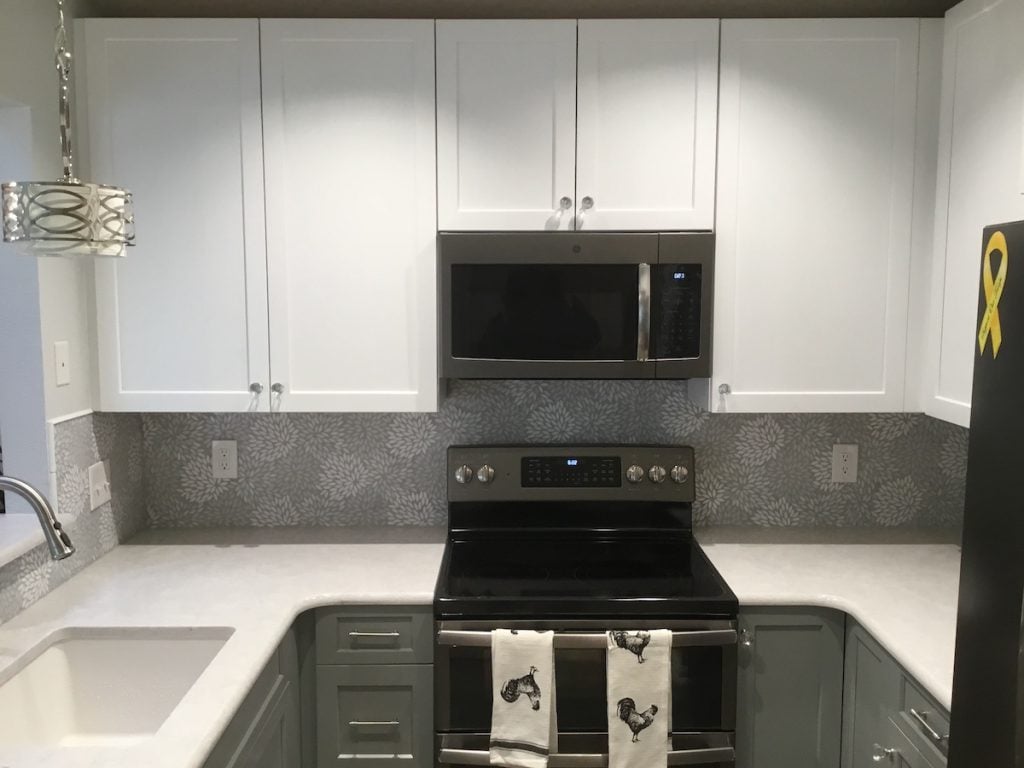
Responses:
[544,311]
[581,683]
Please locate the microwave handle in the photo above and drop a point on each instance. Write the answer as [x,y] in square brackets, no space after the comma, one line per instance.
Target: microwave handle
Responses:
[643,321]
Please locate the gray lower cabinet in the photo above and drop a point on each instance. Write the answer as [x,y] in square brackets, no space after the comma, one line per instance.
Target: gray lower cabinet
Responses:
[374,687]
[264,733]
[375,714]
[790,688]
[887,719]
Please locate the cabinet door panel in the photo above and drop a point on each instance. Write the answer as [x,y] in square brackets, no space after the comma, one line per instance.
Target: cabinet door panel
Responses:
[815,193]
[870,696]
[506,103]
[647,110]
[349,122]
[981,141]
[172,111]
[789,691]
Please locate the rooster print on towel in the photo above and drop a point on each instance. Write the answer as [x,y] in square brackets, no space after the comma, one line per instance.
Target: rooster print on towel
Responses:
[637,721]
[522,686]
[633,642]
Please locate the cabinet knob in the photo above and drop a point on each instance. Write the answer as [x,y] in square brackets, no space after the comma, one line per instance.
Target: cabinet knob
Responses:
[277,388]
[724,389]
[746,639]
[587,203]
[256,388]
[880,754]
[565,203]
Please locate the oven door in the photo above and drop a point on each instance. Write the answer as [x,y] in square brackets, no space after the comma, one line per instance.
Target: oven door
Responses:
[546,305]
[703,682]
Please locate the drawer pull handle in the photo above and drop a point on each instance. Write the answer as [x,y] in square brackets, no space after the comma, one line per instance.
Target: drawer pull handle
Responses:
[374,723]
[922,719]
[577,640]
[378,635]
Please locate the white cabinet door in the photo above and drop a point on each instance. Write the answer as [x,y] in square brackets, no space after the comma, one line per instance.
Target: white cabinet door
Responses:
[173,113]
[506,122]
[351,201]
[646,123]
[815,193]
[979,182]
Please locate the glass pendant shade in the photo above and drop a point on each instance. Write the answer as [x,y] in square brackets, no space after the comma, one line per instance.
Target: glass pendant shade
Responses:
[67,217]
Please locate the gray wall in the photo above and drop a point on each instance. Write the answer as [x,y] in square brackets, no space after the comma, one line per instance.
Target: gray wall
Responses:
[388,469]
[78,443]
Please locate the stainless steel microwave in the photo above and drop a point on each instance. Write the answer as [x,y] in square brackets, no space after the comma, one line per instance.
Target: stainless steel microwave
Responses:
[576,305]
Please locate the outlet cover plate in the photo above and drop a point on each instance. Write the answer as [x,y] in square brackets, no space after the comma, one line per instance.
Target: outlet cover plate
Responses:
[99,484]
[224,459]
[844,463]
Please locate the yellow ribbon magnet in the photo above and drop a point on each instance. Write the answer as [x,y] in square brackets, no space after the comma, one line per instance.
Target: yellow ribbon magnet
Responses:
[993,292]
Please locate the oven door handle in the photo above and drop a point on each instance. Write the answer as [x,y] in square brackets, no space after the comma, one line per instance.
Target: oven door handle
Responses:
[700,756]
[579,640]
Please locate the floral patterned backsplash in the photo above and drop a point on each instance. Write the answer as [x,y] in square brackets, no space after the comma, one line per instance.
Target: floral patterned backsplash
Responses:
[79,443]
[389,469]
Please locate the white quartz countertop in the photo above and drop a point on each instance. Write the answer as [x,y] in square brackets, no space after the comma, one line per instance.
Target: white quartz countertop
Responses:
[258,580]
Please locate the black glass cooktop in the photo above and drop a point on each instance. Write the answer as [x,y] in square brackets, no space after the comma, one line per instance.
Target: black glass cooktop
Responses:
[542,575]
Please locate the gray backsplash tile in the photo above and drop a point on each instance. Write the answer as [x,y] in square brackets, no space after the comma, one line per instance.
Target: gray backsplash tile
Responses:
[78,443]
[388,469]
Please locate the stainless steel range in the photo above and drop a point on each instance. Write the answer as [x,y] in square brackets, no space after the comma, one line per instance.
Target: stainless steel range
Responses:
[581,540]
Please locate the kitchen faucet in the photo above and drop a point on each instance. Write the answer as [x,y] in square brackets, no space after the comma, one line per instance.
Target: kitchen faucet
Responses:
[56,539]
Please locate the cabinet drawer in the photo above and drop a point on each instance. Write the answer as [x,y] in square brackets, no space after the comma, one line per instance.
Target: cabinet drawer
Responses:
[915,706]
[374,714]
[374,635]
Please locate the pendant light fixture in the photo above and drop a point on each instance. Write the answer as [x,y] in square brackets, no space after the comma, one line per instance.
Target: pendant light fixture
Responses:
[67,217]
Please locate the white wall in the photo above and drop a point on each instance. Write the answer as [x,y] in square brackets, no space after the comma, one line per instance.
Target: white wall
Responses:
[28,77]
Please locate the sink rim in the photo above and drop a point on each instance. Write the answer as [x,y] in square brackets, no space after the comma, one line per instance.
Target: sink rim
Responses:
[141,632]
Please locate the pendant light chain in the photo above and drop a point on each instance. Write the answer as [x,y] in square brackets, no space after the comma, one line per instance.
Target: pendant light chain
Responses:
[63,60]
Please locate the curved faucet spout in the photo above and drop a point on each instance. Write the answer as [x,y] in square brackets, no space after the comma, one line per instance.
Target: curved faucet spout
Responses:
[56,538]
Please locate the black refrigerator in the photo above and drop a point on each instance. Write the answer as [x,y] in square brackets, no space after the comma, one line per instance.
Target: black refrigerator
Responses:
[987,725]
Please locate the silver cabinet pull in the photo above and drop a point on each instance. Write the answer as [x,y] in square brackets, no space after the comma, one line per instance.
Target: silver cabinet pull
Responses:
[922,719]
[587,203]
[643,318]
[564,204]
[277,388]
[746,639]
[357,634]
[880,753]
[374,723]
[256,388]
[699,756]
[583,640]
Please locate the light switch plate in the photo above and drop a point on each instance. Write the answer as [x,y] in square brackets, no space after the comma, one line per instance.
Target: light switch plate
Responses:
[844,463]
[62,363]
[99,484]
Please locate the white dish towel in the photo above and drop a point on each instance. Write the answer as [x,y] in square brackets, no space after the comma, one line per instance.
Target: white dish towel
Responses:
[524,730]
[639,698]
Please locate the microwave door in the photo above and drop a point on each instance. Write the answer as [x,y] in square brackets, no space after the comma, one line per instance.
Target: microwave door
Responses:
[549,320]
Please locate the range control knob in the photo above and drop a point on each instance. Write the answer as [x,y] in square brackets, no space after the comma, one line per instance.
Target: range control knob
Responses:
[656,473]
[635,473]
[464,474]
[485,474]
[680,474]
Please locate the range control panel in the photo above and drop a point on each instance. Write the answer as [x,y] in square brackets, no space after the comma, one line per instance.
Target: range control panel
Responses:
[558,472]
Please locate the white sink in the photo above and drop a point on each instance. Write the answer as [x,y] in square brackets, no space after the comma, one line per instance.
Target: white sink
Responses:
[103,687]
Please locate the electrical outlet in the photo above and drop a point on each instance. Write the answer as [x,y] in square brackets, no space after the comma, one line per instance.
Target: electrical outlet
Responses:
[99,484]
[844,463]
[225,459]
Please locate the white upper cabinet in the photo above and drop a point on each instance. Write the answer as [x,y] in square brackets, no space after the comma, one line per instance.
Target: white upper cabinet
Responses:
[173,113]
[506,122]
[815,198]
[980,182]
[647,101]
[351,225]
